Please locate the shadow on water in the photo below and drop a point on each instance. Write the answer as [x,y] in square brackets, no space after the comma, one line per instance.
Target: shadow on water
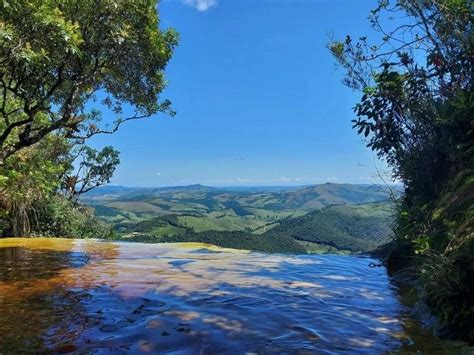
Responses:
[24,321]
[114,298]
[23,264]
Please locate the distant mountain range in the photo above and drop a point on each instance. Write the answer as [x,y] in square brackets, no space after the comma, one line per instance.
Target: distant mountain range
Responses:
[274,197]
[285,211]
[118,189]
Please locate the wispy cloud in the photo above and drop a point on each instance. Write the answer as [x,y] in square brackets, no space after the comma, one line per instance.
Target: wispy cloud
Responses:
[287,179]
[201,5]
[238,180]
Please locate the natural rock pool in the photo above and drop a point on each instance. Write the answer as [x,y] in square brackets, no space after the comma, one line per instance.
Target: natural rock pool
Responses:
[66,295]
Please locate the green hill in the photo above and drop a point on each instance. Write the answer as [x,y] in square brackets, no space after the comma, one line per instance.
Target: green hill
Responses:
[265,219]
[315,197]
[252,206]
[357,228]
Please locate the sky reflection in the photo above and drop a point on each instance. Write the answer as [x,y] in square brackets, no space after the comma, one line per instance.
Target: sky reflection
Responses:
[106,297]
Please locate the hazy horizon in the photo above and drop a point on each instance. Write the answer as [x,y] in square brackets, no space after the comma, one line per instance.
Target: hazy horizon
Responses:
[248,186]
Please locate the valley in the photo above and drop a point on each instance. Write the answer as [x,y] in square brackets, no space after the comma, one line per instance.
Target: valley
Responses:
[317,218]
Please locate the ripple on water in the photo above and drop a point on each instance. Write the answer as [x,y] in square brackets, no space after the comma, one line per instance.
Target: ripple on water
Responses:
[90,296]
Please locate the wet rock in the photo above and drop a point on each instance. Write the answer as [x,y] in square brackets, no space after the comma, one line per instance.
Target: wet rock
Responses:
[109,328]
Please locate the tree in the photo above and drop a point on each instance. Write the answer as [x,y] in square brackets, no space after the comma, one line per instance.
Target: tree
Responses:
[30,180]
[30,176]
[93,169]
[58,57]
[417,89]
[417,104]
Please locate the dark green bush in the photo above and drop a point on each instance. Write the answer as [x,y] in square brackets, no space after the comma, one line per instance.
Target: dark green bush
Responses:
[59,217]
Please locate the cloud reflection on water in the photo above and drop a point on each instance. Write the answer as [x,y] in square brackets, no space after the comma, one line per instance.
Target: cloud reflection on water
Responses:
[149,298]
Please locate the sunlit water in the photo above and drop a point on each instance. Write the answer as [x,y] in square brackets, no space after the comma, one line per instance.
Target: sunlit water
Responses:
[65,295]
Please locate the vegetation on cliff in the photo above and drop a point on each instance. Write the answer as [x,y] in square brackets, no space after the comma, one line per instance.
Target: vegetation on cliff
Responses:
[63,63]
[416,113]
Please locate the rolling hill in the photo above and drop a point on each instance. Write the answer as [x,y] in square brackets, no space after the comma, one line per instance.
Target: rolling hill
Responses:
[201,200]
[356,228]
[310,216]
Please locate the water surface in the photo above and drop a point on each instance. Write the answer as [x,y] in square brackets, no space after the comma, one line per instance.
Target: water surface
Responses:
[66,295]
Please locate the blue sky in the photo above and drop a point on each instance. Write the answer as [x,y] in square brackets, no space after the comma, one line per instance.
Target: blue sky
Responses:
[259,100]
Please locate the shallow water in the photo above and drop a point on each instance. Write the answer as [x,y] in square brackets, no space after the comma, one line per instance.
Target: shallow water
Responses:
[65,295]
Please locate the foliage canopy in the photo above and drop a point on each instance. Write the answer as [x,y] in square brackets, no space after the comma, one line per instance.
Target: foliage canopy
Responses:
[417,112]
[56,56]
[59,61]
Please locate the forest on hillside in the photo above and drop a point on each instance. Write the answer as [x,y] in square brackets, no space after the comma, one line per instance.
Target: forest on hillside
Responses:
[355,218]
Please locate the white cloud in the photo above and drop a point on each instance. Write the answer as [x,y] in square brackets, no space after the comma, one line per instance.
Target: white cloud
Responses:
[201,5]
[238,180]
[158,174]
[287,179]
[229,181]
[331,178]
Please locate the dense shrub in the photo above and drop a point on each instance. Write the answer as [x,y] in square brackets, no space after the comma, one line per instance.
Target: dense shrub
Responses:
[416,113]
[59,217]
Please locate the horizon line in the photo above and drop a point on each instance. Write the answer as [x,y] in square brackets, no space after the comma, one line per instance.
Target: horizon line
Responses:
[251,186]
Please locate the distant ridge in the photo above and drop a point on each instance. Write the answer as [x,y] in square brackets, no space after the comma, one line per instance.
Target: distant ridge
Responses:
[118,189]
